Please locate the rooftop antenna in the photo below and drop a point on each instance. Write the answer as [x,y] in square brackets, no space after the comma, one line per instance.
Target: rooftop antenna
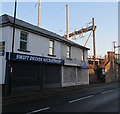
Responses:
[39,12]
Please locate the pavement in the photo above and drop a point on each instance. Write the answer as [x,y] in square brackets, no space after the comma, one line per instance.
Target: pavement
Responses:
[32,95]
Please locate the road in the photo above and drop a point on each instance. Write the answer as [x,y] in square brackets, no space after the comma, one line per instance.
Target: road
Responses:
[96,99]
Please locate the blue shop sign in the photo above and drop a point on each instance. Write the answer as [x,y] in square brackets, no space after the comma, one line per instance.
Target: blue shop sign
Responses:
[85,66]
[32,58]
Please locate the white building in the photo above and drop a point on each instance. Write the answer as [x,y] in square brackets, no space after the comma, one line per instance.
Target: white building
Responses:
[41,58]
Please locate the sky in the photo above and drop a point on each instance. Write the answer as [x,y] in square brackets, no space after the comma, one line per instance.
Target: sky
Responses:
[53,18]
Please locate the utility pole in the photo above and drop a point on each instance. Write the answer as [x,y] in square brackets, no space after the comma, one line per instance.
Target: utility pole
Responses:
[94,38]
[14,26]
[11,66]
[39,13]
[67,20]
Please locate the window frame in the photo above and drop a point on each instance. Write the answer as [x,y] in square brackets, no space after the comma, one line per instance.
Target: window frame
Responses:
[51,47]
[83,55]
[23,40]
[68,51]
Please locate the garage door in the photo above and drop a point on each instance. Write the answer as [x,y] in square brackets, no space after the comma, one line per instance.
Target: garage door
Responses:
[69,75]
[83,77]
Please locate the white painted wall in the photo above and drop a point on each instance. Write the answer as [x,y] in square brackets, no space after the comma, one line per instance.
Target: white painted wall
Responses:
[6,35]
[1,71]
[76,55]
[37,45]
[58,49]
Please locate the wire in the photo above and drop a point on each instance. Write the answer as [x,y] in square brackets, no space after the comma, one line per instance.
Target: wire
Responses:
[29,11]
[55,14]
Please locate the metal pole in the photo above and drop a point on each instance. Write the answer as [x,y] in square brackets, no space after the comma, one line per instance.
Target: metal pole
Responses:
[94,37]
[39,13]
[114,46]
[67,20]
[88,39]
[14,26]
[11,68]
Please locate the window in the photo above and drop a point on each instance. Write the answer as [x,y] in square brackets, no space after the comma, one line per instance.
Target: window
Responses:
[83,55]
[68,51]
[51,47]
[23,40]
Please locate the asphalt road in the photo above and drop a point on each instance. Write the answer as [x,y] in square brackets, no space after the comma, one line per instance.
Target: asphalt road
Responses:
[97,99]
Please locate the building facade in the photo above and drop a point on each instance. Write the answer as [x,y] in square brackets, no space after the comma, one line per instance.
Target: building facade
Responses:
[105,69]
[41,59]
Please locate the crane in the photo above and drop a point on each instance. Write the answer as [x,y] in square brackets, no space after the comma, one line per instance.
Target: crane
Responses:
[84,30]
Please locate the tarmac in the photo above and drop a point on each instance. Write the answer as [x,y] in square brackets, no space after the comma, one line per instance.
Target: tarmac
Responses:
[32,95]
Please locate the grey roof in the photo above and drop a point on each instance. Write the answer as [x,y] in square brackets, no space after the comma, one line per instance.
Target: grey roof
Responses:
[6,19]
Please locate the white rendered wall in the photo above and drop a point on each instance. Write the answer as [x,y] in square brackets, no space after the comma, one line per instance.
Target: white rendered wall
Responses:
[6,36]
[1,62]
[38,45]
[76,55]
